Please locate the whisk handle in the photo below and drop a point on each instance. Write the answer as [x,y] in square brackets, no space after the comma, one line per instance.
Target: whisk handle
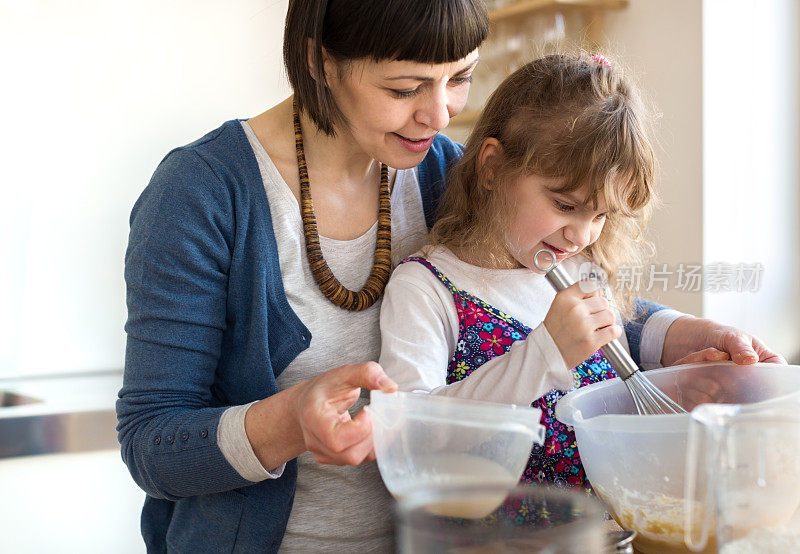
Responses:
[624,366]
[559,278]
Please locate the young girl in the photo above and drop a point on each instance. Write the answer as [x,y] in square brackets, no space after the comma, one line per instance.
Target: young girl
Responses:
[559,160]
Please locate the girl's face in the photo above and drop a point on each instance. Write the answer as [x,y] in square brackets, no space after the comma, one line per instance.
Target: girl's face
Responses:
[564,223]
[395,108]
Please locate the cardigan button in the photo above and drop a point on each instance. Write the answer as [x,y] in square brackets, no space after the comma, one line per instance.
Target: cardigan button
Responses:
[185,436]
[204,433]
[170,439]
[157,440]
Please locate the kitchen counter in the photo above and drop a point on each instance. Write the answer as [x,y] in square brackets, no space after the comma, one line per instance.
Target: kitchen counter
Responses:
[58,413]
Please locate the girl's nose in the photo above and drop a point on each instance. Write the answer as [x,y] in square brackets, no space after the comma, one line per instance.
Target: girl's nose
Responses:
[434,111]
[579,233]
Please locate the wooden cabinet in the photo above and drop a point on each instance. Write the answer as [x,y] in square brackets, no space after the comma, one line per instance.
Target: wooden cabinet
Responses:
[522,30]
[522,8]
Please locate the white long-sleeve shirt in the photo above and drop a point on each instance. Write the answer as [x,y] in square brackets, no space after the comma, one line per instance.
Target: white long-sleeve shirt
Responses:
[420,328]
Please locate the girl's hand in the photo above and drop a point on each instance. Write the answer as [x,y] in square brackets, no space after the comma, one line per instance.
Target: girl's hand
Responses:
[330,434]
[580,323]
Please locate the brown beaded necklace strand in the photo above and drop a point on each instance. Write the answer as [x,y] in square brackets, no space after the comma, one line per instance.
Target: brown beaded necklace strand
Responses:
[328,284]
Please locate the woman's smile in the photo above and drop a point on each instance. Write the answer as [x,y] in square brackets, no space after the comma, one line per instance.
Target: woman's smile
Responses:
[414,145]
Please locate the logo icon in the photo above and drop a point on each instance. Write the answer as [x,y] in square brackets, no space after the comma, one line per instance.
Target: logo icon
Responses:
[591,277]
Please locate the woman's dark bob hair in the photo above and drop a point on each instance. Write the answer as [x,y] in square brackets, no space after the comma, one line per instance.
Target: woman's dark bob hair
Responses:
[424,31]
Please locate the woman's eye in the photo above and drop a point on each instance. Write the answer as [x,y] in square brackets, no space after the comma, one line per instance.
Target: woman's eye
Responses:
[601,217]
[405,93]
[461,80]
[564,207]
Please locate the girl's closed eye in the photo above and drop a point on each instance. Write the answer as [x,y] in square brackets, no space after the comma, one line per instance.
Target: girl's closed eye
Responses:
[563,207]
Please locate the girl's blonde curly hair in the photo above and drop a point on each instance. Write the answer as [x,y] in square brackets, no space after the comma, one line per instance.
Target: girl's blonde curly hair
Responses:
[575,118]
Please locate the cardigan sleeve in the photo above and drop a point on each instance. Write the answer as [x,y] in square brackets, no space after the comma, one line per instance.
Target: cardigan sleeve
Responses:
[646,334]
[176,269]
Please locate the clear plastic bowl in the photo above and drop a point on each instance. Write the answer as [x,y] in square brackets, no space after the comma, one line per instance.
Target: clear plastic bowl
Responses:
[530,519]
[425,440]
[637,464]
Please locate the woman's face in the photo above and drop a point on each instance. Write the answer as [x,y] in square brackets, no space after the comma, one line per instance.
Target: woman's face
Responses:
[395,108]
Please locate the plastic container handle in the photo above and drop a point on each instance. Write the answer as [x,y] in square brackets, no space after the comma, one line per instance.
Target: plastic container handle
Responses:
[702,459]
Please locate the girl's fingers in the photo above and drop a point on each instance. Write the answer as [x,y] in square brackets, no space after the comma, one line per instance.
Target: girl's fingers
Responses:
[596,304]
[601,319]
[607,334]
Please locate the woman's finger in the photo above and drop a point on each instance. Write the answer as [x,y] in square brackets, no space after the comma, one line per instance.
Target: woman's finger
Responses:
[350,443]
[739,345]
[367,375]
[765,355]
[690,399]
[707,355]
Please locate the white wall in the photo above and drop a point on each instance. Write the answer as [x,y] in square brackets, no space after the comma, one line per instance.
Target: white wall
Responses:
[750,150]
[724,74]
[94,94]
[661,41]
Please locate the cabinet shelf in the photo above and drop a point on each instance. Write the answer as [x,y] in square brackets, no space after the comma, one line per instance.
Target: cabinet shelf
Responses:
[467,117]
[524,7]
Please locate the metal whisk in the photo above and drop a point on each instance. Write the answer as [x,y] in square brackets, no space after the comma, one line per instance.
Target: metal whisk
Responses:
[647,398]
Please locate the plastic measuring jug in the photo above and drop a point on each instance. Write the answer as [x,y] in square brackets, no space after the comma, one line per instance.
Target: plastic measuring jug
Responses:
[742,477]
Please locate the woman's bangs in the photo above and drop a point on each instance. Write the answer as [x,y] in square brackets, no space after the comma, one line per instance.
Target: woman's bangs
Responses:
[427,32]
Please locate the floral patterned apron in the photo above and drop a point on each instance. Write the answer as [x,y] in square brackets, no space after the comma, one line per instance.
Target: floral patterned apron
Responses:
[485,333]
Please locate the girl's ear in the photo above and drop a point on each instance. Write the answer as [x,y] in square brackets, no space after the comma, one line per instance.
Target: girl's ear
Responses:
[489,156]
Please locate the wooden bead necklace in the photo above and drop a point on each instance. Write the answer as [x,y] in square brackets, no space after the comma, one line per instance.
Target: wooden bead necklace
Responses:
[327,282]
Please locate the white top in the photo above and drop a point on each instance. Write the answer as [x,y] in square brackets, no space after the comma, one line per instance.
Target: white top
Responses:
[419,330]
[318,521]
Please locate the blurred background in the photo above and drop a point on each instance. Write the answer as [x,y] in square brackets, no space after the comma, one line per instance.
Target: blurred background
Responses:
[95,93]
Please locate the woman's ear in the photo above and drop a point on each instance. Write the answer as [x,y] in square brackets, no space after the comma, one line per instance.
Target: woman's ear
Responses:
[328,63]
[489,156]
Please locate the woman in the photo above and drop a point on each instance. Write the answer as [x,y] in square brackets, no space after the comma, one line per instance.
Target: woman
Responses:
[230,416]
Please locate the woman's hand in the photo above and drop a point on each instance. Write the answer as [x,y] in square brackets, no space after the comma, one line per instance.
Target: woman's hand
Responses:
[580,323]
[710,354]
[712,342]
[701,390]
[313,415]
[329,433]
[688,337]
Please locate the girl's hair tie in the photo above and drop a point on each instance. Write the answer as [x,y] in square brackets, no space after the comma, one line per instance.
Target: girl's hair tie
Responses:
[601,60]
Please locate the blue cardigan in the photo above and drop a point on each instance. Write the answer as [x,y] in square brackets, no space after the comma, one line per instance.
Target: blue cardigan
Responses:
[209,327]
